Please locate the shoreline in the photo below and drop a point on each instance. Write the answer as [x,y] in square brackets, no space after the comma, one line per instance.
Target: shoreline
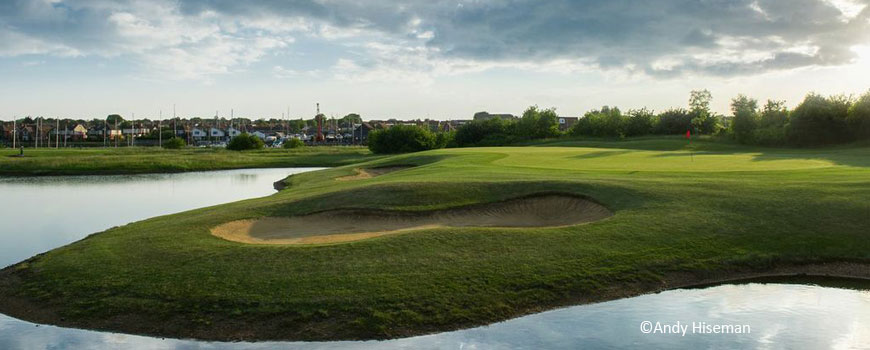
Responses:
[31,311]
[160,172]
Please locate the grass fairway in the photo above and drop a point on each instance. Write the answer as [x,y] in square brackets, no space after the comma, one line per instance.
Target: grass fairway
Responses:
[680,216]
[137,160]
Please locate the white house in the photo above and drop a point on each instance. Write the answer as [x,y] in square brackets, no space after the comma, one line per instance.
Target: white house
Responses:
[259,134]
[198,133]
[233,132]
[216,133]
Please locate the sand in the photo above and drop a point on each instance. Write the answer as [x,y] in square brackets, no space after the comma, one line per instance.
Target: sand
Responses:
[369,173]
[345,225]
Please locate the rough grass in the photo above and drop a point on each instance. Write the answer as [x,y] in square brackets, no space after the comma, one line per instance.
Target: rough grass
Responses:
[730,209]
[136,160]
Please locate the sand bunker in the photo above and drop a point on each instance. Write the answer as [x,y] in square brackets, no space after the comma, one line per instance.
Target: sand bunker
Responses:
[344,225]
[373,172]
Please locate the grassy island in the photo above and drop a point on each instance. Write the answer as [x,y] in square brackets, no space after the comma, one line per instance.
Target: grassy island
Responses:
[141,160]
[668,215]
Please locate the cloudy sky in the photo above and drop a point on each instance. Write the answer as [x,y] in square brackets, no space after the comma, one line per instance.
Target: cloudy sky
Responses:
[436,59]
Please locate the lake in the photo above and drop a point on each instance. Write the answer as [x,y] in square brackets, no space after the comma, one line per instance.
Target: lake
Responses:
[41,213]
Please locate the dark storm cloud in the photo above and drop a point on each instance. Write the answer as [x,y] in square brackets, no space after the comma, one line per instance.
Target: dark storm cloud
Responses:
[713,37]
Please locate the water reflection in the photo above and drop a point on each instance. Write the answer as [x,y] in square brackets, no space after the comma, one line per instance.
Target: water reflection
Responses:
[781,316]
[42,213]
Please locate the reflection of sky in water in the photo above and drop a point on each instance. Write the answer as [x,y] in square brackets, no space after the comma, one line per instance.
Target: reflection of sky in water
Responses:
[780,316]
[41,213]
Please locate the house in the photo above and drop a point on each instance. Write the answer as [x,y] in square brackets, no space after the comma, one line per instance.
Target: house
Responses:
[479,116]
[198,133]
[260,133]
[216,133]
[233,132]
[77,132]
[566,123]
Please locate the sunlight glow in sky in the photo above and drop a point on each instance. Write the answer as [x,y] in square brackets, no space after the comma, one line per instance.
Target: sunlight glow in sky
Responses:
[419,59]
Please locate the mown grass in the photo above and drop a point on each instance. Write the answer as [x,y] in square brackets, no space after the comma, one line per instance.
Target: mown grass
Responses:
[726,208]
[136,160]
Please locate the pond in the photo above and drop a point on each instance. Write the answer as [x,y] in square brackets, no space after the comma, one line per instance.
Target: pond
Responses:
[39,214]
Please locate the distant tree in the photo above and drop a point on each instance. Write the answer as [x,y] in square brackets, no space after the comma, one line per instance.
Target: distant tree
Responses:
[479,132]
[401,139]
[537,123]
[245,141]
[774,114]
[296,125]
[819,121]
[699,101]
[673,121]
[859,117]
[111,118]
[350,119]
[640,122]
[745,122]
[771,125]
[174,143]
[293,143]
[606,122]
[703,119]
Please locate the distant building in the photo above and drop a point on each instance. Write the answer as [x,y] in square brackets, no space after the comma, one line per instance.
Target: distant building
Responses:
[479,116]
[566,123]
[216,133]
[233,132]
[198,133]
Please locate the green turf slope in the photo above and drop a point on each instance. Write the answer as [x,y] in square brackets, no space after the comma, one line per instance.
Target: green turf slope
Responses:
[680,215]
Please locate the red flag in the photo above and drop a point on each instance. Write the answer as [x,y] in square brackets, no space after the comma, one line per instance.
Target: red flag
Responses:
[689,134]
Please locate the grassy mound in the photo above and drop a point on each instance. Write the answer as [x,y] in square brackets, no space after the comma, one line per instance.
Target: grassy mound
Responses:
[680,216]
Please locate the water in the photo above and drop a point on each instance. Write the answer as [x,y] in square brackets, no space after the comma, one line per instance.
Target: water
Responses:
[38,214]
[42,213]
[780,316]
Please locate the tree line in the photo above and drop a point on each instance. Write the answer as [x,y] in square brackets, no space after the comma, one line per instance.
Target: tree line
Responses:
[817,120]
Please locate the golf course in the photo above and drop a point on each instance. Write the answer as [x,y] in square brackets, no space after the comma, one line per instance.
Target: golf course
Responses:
[394,246]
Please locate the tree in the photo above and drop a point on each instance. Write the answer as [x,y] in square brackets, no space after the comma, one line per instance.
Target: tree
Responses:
[114,117]
[350,119]
[771,125]
[673,121]
[245,141]
[538,123]
[859,117]
[401,139]
[639,122]
[703,120]
[479,132]
[174,143]
[699,102]
[606,122]
[745,122]
[774,114]
[293,143]
[819,121]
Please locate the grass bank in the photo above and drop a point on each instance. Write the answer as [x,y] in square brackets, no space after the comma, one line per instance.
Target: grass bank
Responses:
[681,216]
[138,160]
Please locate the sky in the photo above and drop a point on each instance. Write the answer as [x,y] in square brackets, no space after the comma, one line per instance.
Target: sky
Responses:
[420,59]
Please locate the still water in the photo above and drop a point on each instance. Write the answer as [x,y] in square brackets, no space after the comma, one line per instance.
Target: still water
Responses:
[38,214]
